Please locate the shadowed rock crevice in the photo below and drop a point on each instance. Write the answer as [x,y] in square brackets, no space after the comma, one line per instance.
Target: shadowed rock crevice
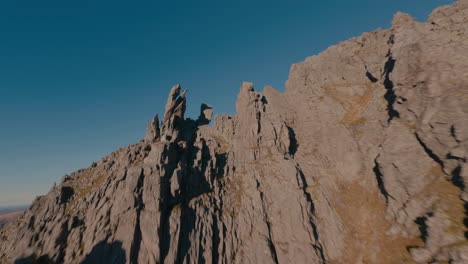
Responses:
[216,237]
[371,77]
[465,220]
[221,162]
[453,133]
[390,96]
[190,190]
[302,182]
[169,162]
[166,203]
[195,183]
[380,180]
[186,164]
[44,259]
[457,179]
[61,242]
[187,225]
[66,193]
[266,220]
[106,253]
[293,145]
[139,205]
[423,228]
[429,152]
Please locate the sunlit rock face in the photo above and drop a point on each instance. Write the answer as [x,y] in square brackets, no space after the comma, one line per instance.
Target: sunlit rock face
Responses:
[361,160]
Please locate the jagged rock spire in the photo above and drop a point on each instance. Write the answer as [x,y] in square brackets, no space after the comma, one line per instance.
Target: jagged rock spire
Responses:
[173,94]
[173,120]
[243,97]
[152,130]
[206,113]
[173,114]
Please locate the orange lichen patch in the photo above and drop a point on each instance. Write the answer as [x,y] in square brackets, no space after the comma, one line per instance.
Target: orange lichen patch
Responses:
[354,97]
[447,200]
[411,127]
[223,145]
[234,190]
[84,183]
[358,133]
[366,238]
[363,215]
[313,191]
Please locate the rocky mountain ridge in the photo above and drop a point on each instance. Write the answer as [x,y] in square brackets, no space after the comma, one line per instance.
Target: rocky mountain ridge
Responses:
[361,160]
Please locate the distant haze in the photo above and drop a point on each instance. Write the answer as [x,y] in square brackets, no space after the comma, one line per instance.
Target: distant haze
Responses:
[10,209]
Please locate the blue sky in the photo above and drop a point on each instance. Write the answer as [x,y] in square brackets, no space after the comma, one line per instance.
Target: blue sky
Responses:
[79,79]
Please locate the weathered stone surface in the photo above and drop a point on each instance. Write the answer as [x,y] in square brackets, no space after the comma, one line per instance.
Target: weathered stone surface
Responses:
[174,114]
[206,113]
[152,130]
[361,160]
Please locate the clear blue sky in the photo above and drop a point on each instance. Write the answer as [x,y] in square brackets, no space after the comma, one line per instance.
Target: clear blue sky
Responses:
[79,79]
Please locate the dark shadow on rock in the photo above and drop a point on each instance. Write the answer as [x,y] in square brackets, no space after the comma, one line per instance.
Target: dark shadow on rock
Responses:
[44,259]
[196,183]
[390,95]
[187,225]
[104,252]
[465,220]
[303,182]
[371,77]
[221,162]
[429,152]
[66,194]
[457,179]
[380,181]
[423,228]
[293,145]
[139,205]
[170,154]
[206,112]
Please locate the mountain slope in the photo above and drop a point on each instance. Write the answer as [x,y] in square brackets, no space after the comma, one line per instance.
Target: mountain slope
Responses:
[361,160]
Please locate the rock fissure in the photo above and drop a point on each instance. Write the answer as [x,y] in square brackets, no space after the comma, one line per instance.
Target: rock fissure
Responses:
[270,241]
[429,152]
[421,221]
[380,180]
[139,206]
[302,182]
[457,179]
[390,96]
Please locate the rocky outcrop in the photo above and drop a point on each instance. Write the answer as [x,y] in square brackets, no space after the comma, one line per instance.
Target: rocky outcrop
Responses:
[153,133]
[361,160]
[206,114]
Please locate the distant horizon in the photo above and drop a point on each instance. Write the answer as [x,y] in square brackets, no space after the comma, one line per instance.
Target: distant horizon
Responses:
[6,209]
[80,80]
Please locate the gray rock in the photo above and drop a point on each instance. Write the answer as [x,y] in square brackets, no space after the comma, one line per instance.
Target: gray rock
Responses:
[206,113]
[152,130]
[361,160]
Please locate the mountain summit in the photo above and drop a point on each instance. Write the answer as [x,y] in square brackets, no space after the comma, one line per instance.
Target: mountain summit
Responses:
[361,160]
